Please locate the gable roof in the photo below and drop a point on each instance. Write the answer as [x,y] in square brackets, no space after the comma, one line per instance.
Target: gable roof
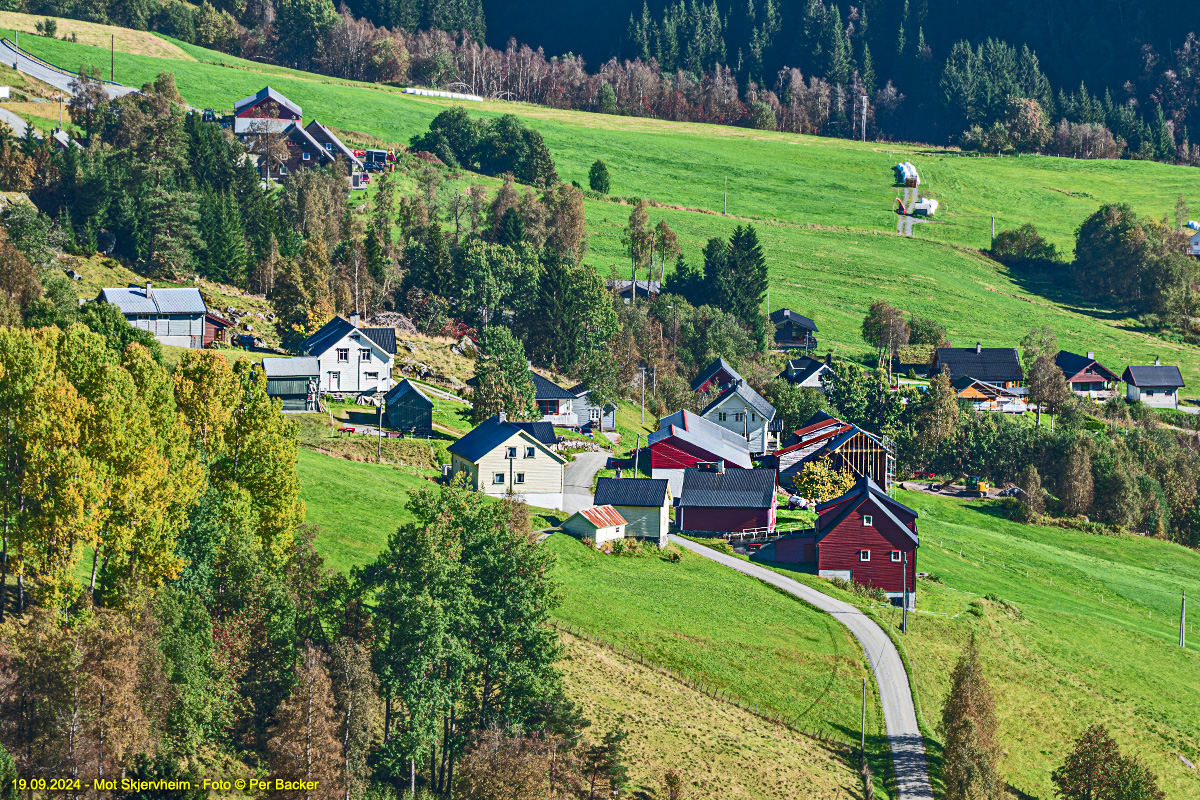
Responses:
[1154,376]
[294,131]
[694,423]
[490,434]
[402,389]
[1072,364]
[804,367]
[184,300]
[712,369]
[624,288]
[542,431]
[799,320]
[990,389]
[746,392]
[384,337]
[263,94]
[330,334]
[735,488]
[636,492]
[832,512]
[720,443]
[602,516]
[546,389]
[991,364]
[334,140]
[291,367]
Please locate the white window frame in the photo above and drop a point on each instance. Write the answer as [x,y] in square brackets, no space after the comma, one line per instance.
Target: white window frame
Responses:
[371,376]
[868,521]
[497,478]
[720,416]
[307,157]
[510,452]
[364,355]
[864,555]
[343,355]
[520,478]
[530,452]
[896,556]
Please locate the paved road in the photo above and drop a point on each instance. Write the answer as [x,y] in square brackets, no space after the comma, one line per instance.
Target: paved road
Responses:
[908,747]
[577,482]
[58,78]
[16,123]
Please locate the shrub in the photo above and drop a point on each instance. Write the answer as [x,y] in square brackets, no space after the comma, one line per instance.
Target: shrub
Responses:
[673,555]
[598,178]
[47,27]
[1025,248]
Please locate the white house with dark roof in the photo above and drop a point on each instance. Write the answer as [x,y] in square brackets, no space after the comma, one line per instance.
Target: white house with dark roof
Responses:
[349,358]
[736,406]
[1155,385]
[806,372]
[500,459]
[555,402]
[174,316]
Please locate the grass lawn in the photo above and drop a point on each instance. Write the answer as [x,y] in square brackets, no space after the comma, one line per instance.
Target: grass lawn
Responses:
[725,629]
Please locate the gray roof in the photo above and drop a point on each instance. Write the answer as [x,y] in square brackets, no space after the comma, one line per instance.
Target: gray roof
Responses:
[384,337]
[701,427]
[1154,376]
[635,492]
[734,488]
[334,140]
[487,436]
[305,136]
[707,436]
[546,389]
[747,393]
[161,301]
[799,320]
[542,431]
[404,387]
[712,369]
[333,331]
[263,94]
[991,364]
[291,367]
[865,489]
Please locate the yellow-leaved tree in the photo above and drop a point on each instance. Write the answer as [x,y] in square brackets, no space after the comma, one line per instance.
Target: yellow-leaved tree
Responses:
[820,481]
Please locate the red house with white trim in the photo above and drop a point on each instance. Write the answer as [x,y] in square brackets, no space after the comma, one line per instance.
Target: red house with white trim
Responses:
[868,537]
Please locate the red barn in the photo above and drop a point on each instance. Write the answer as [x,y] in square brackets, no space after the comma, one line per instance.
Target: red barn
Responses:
[685,441]
[265,110]
[719,501]
[868,537]
[715,377]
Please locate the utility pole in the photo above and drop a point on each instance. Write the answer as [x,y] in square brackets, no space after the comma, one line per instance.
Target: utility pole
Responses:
[993,230]
[112,55]
[643,382]
[904,598]
[1183,619]
[637,449]
[862,746]
[379,448]
[726,194]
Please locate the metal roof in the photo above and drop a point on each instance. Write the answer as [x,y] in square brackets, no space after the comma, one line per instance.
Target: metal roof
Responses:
[133,300]
[602,516]
[542,431]
[490,434]
[546,389]
[991,364]
[747,393]
[632,492]
[865,489]
[331,333]
[799,320]
[805,368]
[712,369]
[322,153]
[1154,376]
[1072,364]
[291,367]
[404,387]
[335,141]
[263,94]
[734,488]
[384,337]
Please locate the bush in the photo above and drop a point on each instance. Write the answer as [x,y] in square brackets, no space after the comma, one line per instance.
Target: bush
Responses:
[598,178]
[1024,248]
[673,555]
[46,27]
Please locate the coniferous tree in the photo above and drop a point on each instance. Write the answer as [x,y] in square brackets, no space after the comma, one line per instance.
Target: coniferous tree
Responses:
[972,751]
[304,740]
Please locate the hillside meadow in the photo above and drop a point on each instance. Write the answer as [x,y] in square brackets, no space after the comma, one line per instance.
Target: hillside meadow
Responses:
[822,206]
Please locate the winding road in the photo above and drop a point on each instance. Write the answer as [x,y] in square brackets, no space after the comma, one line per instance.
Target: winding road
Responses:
[900,717]
[577,480]
[46,72]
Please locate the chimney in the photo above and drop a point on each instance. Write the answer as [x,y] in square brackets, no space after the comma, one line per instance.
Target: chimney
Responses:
[1091,355]
[503,416]
[978,348]
[355,319]
[829,359]
[721,467]
[148,287]
[1156,362]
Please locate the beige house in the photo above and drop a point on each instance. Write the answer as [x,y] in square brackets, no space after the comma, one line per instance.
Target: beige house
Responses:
[600,524]
[644,503]
[502,460]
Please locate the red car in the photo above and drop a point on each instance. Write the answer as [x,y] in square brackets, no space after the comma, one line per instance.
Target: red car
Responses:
[927,475]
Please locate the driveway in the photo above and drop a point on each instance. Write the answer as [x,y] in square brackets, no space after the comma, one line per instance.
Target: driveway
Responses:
[45,72]
[16,123]
[577,480]
[908,746]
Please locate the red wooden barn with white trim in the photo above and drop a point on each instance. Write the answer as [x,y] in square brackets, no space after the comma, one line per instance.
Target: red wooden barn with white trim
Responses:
[868,537]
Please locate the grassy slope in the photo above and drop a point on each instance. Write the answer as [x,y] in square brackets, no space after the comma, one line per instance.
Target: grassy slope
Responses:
[1096,638]
[720,750]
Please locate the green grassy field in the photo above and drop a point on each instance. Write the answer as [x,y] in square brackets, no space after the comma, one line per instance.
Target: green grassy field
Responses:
[822,205]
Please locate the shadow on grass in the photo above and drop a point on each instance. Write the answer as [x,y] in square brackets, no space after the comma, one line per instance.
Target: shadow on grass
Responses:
[879,755]
[1062,294]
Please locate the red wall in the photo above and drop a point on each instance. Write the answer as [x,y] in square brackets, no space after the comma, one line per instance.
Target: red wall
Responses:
[671,453]
[266,109]
[724,519]
[795,551]
[838,549]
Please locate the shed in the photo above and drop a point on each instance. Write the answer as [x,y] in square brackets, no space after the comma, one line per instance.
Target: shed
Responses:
[1155,385]
[407,408]
[717,501]
[645,503]
[600,524]
[293,380]
[847,446]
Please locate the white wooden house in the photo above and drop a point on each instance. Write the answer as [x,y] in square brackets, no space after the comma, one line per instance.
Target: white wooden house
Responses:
[1156,385]
[1193,244]
[501,459]
[350,359]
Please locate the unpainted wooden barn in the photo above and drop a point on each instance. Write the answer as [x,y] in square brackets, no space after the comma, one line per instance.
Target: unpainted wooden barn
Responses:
[294,381]
[408,409]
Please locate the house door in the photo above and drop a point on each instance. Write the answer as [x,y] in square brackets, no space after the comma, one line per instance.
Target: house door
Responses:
[335,381]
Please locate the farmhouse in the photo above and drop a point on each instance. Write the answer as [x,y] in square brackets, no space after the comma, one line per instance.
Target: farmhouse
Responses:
[501,460]
[806,372]
[868,537]
[600,524]
[1156,385]
[998,365]
[740,409]
[553,401]
[350,360]
[1086,376]
[294,381]
[793,330]
[645,503]
[176,317]
[540,430]
[588,413]
[265,110]
[715,377]
[986,396]
[717,501]
[407,408]
[684,441]
[332,144]
[847,446]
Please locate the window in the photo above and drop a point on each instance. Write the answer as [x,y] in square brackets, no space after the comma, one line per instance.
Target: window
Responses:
[364,354]
[498,477]
[896,555]
[371,376]
[283,169]
[594,414]
[720,416]
[510,452]
[752,417]
[329,146]
[307,156]
[520,477]
[739,416]
[343,355]
[530,452]
[548,407]
[864,555]
[867,521]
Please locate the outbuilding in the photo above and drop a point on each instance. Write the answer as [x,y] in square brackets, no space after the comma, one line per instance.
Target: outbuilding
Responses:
[1157,385]
[295,381]
[718,501]
[600,524]
[645,503]
[408,409]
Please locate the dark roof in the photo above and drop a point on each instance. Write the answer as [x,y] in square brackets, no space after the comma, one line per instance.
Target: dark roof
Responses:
[486,437]
[624,288]
[1072,364]
[865,489]
[799,320]
[991,364]
[546,389]
[712,369]
[542,431]
[747,393]
[334,140]
[331,333]
[263,94]
[637,492]
[384,337]
[806,367]
[295,132]
[1154,376]
[406,388]
[735,488]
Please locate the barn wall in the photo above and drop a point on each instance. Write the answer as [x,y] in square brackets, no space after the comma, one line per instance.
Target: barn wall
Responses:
[725,520]
[838,550]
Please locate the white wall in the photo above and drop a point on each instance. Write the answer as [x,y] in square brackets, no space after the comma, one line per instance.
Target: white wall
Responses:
[733,405]
[1159,398]
[354,371]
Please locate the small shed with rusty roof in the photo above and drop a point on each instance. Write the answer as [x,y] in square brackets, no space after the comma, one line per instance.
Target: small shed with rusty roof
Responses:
[599,525]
